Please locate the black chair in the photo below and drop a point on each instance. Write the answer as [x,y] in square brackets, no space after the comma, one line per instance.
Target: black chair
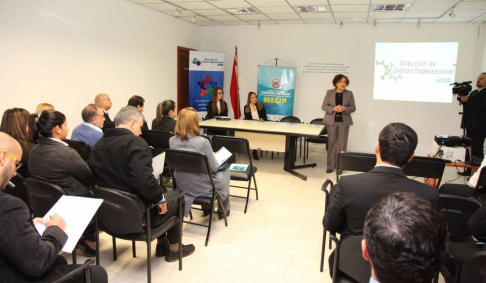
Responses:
[426,167]
[20,189]
[81,147]
[158,140]
[322,139]
[323,251]
[293,119]
[123,215]
[82,268]
[457,211]
[239,146]
[464,190]
[195,162]
[474,269]
[355,161]
[42,197]
[349,264]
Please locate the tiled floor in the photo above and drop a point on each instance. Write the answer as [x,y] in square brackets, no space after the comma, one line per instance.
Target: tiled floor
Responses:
[277,240]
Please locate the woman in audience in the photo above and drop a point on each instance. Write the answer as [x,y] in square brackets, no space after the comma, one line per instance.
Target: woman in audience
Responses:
[254,110]
[15,122]
[53,161]
[166,112]
[217,106]
[43,106]
[188,137]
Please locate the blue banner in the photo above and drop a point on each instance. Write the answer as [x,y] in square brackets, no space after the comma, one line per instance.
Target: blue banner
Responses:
[276,90]
[206,71]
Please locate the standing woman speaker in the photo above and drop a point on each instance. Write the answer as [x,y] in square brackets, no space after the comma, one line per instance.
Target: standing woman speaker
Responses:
[338,104]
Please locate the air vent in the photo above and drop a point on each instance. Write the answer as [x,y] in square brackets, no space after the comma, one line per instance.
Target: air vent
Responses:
[242,11]
[312,9]
[391,7]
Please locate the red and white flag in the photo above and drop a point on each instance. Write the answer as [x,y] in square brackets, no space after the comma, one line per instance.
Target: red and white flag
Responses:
[235,89]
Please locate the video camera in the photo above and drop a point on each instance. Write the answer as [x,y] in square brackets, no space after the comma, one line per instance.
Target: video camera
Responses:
[461,89]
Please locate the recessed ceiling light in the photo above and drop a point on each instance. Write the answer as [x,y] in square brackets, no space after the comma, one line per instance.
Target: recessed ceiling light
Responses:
[391,7]
[312,9]
[242,11]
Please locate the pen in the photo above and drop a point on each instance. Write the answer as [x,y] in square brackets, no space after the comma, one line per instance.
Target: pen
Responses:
[11,184]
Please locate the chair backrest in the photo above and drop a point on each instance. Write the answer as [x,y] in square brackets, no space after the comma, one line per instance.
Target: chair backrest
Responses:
[351,260]
[482,179]
[426,167]
[20,189]
[457,211]
[355,161]
[159,140]
[121,212]
[290,119]
[42,195]
[81,147]
[474,269]
[318,121]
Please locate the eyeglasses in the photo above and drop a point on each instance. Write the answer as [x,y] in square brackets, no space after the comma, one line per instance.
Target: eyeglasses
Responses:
[17,163]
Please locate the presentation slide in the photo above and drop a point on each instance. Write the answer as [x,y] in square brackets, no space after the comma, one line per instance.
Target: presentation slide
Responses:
[415,71]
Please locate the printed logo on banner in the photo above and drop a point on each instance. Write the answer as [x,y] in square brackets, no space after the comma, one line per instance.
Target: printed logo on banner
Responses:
[196,62]
[276,83]
[207,86]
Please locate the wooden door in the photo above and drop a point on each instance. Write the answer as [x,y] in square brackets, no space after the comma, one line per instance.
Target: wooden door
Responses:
[183,77]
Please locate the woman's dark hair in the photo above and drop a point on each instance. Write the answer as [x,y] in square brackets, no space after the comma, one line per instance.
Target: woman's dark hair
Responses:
[339,77]
[248,102]
[214,102]
[33,131]
[163,109]
[15,122]
[48,120]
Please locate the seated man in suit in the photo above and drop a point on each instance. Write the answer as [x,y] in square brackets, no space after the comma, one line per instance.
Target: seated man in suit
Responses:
[122,160]
[25,256]
[138,102]
[103,101]
[90,131]
[353,196]
[404,239]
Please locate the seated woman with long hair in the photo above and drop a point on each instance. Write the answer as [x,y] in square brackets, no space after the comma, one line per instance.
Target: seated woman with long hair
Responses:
[16,123]
[166,112]
[53,161]
[187,136]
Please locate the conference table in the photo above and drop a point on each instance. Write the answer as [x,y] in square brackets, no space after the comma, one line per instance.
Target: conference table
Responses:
[291,131]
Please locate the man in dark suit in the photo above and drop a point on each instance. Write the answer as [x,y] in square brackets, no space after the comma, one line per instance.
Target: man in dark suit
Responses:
[138,102]
[354,195]
[25,256]
[103,101]
[475,118]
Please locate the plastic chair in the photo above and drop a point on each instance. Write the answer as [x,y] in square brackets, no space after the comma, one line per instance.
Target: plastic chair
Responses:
[293,119]
[326,184]
[425,167]
[20,189]
[81,147]
[239,146]
[349,264]
[195,162]
[159,140]
[123,215]
[322,139]
[457,211]
[355,161]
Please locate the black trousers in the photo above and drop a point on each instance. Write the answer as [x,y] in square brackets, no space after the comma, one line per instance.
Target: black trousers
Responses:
[477,143]
[157,219]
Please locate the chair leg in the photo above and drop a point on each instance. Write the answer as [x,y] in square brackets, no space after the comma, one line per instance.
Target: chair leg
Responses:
[149,256]
[114,248]
[190,214]
[256,188]
[133,249]
[304,150]
[209,226]
[224,212]
[97,241]
[300,147]
[248,194]
[74,256]
[323,252]
[272,154]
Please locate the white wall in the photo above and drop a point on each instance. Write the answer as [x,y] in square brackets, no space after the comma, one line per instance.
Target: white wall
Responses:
[354,46]
[66,52]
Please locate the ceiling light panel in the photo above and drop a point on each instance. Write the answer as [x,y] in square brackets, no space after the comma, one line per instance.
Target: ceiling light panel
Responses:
[242,11]
[390,7]
[311,9]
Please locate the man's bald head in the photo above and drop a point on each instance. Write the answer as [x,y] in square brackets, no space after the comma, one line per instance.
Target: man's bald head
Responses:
[9,146]
[103,101]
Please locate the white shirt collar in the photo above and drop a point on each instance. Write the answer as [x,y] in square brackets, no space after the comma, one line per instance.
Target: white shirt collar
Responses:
[479,89]
[106,112]
[59,141]
[92,126]
[387,165]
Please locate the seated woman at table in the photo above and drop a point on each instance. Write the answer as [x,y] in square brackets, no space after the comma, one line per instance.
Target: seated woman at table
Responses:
[217,106]
[254,110]
[188,137]
[166,112]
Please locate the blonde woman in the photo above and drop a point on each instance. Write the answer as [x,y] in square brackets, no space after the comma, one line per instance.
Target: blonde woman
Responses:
[43,106]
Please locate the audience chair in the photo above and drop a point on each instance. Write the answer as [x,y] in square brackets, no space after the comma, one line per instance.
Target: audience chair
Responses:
[42,197]
[123,215]
[195,162]
[426,167]
[239,146]
[327,183]
[355,161]
[82,268]
[349,264]
[457,211]
[159,141]
[474,269]
[81,147]
[20,189]
[296,120]
[322,139]
[465,191]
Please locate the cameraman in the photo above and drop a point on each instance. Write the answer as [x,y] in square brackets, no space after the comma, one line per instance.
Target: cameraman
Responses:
[475,118]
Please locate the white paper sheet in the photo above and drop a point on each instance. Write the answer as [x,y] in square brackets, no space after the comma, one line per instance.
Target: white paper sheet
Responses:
[222,155]
[158,164]
[77,212]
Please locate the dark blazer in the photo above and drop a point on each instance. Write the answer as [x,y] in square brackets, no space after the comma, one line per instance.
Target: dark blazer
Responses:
[123,161]
[354,195]
[23,252]
[330,102]
[476,111]
[108,124]
[167,125]
[210,114]
[261,113]
[56,163]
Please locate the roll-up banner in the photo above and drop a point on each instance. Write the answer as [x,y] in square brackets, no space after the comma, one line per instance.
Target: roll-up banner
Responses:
[276,90]
[206,71]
